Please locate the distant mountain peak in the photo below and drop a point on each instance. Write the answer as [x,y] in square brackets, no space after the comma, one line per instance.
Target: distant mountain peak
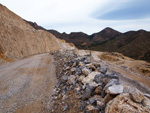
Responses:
[109,30]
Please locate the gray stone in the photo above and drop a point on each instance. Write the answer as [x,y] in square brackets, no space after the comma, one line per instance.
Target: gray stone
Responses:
[87,92]
[78,71]
[100,105]
[64,78]
[110,83]
[113,76]
[83,105]
[92,101]
[97,65]
[102,70]
[65,108]
[71,79]
[98,78]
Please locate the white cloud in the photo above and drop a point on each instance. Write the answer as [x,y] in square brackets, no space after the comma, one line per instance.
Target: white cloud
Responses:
[72,15]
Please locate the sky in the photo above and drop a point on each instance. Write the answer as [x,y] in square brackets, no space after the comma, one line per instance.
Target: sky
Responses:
[89,16]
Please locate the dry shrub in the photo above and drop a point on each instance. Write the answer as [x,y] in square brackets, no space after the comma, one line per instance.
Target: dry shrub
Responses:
[145,71]
[107,57]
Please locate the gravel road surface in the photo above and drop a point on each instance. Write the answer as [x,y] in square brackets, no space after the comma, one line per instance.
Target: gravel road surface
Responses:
[26,85]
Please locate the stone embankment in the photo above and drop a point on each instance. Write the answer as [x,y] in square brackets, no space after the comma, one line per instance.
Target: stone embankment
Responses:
[85,86]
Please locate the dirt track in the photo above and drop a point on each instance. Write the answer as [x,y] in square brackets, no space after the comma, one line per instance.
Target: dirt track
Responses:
[26,85]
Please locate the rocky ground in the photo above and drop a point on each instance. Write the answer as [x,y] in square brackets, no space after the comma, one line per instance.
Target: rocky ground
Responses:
[86,86]
[65,81]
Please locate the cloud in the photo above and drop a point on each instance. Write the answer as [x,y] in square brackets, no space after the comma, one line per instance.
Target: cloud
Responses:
[83,15]
[134,9]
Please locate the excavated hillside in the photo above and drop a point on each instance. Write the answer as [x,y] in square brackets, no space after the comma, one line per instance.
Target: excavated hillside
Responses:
[18,39]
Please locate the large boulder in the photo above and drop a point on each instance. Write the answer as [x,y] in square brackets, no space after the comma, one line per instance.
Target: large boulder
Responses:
[124,104]
[135,94]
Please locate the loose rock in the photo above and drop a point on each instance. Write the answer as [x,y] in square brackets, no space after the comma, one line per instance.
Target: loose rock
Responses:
[86,71]
[98,90]
[115,89]
[89,79]
[71,79]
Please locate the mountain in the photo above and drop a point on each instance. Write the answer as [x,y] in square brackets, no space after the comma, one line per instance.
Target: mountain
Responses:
[104,35]
[19,39]
[134,44]
[81,39]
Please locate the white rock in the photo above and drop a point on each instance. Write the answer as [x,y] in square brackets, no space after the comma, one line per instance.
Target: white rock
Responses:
[115,89]
[86,71]
[73,69]
[89,79]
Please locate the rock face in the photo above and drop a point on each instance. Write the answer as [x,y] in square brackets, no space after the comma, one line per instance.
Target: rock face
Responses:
[124,104]
[21,39]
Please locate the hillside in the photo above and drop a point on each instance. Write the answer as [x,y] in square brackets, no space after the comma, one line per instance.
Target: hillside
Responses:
[18,39]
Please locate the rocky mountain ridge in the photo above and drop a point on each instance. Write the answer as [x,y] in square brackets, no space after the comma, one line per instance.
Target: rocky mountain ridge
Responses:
[134,44]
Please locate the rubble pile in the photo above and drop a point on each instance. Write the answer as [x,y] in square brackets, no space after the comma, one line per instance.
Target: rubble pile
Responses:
[85,86]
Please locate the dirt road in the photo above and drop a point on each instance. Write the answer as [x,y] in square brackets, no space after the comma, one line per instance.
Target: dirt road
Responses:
[26,85]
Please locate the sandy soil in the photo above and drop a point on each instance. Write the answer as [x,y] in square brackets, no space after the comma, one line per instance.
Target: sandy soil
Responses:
[26,85]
